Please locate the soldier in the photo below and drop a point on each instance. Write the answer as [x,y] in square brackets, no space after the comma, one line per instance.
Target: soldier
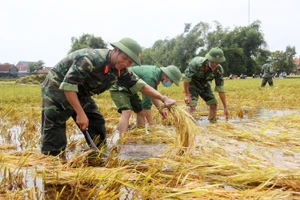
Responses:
[197,82]
[267,73]
[127,102]
[68,88]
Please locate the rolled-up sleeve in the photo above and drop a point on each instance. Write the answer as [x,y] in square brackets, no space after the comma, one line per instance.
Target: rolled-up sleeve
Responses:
[68,87]
[220,88]
[138,86]
[186,79]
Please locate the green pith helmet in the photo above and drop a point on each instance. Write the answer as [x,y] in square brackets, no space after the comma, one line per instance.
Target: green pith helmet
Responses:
[269,59]
[173,73]
[131,48]
[215,55]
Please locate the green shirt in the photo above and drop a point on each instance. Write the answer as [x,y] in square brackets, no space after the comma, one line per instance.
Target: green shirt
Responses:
[152,76]
[149,74]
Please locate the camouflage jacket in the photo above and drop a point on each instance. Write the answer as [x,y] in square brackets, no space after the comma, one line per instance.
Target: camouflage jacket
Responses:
[267,70]
[87,72]
[199,74]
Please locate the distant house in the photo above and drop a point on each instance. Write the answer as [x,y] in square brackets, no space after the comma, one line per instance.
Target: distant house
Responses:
[23,66]
[9,71]
[24,70]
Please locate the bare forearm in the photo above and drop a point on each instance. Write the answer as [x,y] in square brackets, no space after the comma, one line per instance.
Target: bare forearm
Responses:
[187,98]
[156,103]
[74,101]
[152,93]
[81,118]
[186,86]
[223,99]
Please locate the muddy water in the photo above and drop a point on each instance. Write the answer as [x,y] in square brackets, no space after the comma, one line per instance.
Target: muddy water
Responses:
[136,151]
[276,156]
[144,151]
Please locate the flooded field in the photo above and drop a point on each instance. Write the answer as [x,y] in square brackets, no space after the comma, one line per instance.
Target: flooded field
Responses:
[253,155]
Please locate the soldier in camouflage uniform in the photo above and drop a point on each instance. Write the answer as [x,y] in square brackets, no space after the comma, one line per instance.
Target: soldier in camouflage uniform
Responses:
[68,88]
[267,72]
[126,101]
[197,79]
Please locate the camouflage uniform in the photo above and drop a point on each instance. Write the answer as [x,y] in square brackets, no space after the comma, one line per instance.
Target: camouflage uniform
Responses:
[87,72]
[199,74]
[126,100]
[267,74]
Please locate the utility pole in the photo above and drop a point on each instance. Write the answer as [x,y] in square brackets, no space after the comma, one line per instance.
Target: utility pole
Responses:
[248,12]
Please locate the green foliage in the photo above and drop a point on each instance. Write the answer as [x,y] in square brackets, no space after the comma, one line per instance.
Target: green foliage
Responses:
[241,46]
[235,61]
[290,53]
[176,51]
[87,41]
[35,66]
[244,47]
[217,37]
[248,41]
[284,60]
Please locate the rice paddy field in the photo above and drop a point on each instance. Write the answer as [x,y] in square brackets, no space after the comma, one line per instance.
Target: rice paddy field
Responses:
[253,155]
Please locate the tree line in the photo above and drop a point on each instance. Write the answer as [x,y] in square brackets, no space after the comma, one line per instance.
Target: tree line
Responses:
[244,47]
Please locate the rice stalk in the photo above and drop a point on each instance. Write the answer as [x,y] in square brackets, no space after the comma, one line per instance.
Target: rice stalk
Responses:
[186,128]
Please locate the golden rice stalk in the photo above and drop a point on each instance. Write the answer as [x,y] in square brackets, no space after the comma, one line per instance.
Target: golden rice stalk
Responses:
[154,135]
[8,146]
[186,128]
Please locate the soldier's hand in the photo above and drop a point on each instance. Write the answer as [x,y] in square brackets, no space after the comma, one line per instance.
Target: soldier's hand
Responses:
[163,113]
[82,121]
[187,99]
[169,102]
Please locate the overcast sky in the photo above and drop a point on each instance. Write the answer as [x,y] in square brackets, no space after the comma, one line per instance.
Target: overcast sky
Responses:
[33,30]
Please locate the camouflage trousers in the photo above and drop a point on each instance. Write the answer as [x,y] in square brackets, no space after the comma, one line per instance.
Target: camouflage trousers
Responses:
[266,80]
[204,92]
[54,117]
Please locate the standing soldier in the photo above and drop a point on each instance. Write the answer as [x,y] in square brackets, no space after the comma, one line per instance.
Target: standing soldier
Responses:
[267,73]
[127,102]
[68,88]
[197,82]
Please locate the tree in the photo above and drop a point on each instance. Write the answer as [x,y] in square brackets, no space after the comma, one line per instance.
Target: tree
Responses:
[244,48]
[290,53]
[34,67]
[235,61]
[246,44]
[179,50]
[87,41]
[187,44]
[284,60]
